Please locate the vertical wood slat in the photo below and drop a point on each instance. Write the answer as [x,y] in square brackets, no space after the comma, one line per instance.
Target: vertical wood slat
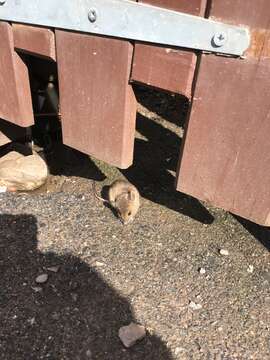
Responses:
[98,106]
[167,68]
[15,94]
[226,155]
[34,40]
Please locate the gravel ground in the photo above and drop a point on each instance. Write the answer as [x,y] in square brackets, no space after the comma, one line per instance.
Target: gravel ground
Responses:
[164,271]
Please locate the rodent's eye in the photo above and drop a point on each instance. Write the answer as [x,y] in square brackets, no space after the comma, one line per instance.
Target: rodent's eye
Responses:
[129,213]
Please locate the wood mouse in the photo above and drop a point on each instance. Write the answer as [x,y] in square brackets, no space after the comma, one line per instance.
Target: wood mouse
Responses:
[124,198]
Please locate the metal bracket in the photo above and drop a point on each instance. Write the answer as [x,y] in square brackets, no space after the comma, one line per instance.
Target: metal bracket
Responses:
[129,20]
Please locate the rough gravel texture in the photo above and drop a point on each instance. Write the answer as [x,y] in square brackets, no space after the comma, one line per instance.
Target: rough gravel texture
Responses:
[147,272]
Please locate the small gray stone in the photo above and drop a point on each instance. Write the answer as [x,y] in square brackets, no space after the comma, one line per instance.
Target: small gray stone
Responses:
[37,288]
[74,297]
[130,334]
[89,353]
[41,279]
[32,321]
[55,316]
[54,269]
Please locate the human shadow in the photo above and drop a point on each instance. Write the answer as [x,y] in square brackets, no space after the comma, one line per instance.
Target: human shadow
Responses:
[74,315]
[261,233]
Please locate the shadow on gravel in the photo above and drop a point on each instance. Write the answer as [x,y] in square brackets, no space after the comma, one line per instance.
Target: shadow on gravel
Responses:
[63,160]
[150,171]
[156,157]
[261,233]
[75,315]
[172,108]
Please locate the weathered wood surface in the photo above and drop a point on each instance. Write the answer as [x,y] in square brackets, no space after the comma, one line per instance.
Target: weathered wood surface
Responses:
[34,40]
[226,155]
[98,106]
[167,68]
[15,95]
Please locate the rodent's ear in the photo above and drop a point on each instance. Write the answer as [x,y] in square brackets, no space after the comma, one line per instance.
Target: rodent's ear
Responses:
[131,195]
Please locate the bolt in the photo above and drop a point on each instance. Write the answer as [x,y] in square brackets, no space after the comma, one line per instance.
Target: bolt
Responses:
[220,39]
[92,15]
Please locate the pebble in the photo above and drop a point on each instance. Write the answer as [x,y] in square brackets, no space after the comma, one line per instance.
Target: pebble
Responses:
[32,321]
[130,334]
[37,288]
[89,353]
[41,279]
[224,252]
[178,350]
[99,264]
[55,316]
[74,297]
[202,271]
[194,306]
[250,269]
[54,269]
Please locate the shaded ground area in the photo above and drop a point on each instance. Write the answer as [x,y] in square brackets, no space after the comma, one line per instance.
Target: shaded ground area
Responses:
[147,272]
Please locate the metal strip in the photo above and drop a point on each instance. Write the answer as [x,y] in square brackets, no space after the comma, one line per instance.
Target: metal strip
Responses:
[129,20]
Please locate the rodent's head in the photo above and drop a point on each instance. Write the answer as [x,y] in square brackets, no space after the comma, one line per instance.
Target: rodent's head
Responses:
[127,207]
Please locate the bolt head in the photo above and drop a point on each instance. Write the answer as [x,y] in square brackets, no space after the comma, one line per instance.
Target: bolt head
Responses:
[92,15]
[220,39]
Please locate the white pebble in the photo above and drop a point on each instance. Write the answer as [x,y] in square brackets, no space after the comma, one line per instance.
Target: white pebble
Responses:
[224,252]
[202,271]
[194,306]
[250,269]
[41,279]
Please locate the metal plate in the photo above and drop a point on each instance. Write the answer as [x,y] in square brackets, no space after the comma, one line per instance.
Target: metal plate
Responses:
[129,20]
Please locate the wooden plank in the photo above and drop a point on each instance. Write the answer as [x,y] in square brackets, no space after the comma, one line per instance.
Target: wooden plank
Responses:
[15,94]
[34,40]
[98,106]
[226,154]
[167,68]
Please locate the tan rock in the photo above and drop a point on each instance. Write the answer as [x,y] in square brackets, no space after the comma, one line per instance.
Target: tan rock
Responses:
[22,173]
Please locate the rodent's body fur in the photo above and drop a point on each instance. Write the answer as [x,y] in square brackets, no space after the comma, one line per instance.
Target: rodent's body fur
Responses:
[124,198]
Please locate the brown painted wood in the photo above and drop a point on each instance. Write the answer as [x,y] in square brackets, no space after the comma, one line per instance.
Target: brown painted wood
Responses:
[34,40]
[226,155]
[167,68]
[98,106]
[15,94]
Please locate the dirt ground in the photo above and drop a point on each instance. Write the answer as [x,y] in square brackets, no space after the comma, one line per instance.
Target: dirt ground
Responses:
[148,272]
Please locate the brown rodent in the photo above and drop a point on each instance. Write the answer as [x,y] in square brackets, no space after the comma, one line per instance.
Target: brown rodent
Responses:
[124,198]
